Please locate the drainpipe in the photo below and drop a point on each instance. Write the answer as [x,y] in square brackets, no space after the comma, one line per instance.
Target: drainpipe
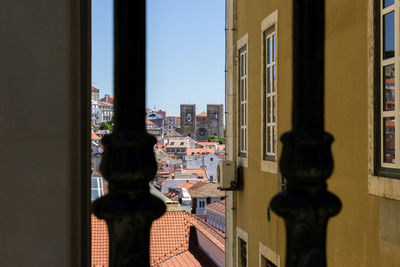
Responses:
[128,161]
[306,160]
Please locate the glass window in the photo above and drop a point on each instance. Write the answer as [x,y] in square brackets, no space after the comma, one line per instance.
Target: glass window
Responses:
[266,263]
[270,94]
[389,140]
[242,253]
[388,35]
[243,101]
[388,88]
[387,3]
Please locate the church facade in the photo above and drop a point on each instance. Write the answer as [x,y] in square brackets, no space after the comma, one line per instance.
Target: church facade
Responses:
[201,126]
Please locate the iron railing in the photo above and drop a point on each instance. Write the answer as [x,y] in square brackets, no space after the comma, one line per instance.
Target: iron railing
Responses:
[128,160]
[306,160]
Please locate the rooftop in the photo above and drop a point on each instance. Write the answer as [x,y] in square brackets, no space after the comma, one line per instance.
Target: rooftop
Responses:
[207,190]
[218,206]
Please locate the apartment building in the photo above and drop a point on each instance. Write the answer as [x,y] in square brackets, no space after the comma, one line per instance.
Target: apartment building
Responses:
[361,64]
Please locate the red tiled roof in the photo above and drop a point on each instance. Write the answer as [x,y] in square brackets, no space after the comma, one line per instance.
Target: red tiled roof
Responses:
[104,103]
[95,136]
[208,143]
[171,241]
[199,184]
[186,185]
[99,242]
[94,89]
[218,206]
[203,114]
[190,258]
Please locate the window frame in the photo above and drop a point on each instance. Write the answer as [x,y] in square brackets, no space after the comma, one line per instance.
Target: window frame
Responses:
[243,100]
[99,189]
[268,254]
[386,62]
[269,25]
[382,182]
[241,234]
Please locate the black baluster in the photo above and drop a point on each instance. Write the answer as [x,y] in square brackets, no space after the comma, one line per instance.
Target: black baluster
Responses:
[128,161]
[306,160]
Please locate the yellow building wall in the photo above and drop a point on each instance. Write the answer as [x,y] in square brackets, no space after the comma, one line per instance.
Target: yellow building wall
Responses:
[367,230]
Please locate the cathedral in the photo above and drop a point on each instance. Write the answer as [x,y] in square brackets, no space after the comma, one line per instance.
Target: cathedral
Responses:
[200,126]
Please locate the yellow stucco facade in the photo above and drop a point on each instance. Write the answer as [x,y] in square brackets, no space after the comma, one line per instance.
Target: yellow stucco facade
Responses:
[367,230]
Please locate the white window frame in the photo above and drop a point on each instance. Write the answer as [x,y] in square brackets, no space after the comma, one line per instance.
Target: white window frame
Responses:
[240,233]
[99,189]
[242,52]
[386,62]
[269,26]
[379,183]
[269,254]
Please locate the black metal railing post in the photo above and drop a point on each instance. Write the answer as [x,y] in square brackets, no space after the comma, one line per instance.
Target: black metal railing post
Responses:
[128,162]
[306,160]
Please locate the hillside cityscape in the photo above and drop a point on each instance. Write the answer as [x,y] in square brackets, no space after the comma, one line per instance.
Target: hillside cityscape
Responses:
[187,152]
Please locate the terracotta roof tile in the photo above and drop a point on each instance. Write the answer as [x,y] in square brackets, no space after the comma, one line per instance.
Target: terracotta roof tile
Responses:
[95,136]
[218,206]
[104,103]
[199,184]
[186,185]
[207,190]
[169,241]
[190,258]
[203,114]
[99,242]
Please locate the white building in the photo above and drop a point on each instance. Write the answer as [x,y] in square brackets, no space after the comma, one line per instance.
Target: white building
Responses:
[106,110]
[209,162]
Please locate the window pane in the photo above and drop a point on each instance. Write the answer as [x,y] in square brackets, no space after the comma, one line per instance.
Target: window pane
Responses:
[389,140]
[273,139]
[388,35]
[94,183]
[273,110]
[95,194]
[243,253]
[387,3]
[245,64]
[273,78]
[269,76]
[268,140]
[273,48]
[268,50]
[388,88]
[268,109]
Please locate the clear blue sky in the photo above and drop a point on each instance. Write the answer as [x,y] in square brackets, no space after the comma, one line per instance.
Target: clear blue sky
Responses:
[185,52]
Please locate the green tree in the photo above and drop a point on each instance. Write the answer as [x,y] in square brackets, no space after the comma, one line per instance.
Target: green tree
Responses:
[109,125]
[219,139]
